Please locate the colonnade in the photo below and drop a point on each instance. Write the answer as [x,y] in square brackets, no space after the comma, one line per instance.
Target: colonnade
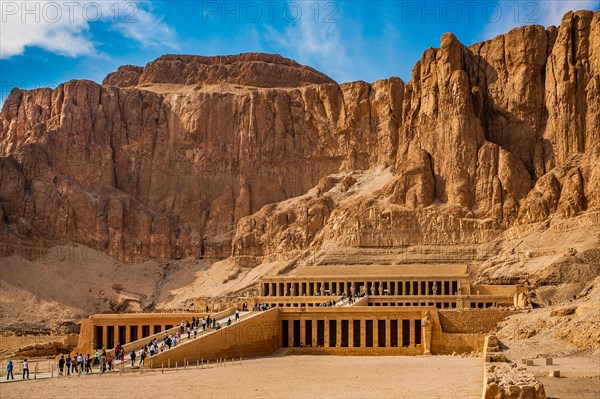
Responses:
[348,332]
[108,335]
[352,287]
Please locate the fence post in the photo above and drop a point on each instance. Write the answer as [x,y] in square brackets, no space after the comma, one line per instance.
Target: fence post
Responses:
[35,371]
[162,368]
[175,366]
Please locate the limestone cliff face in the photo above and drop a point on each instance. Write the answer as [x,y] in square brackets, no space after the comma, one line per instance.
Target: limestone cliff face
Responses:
[255,154]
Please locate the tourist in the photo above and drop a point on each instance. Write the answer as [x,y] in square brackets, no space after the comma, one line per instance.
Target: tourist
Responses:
[9,370]
[103,361]
[142,357]
[195,332]
[25,368]
[151,349]
[88,364]
[204,324]
[109,360]
[175,340]
[80,363]
[181,326]
[228,321]
[68,364]
[97,358]
[132,357]
[61,364]
[237,315]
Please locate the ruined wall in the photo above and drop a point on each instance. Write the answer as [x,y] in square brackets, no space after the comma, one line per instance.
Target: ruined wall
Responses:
[480,321]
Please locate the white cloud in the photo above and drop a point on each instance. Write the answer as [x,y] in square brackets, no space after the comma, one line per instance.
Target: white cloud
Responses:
[63,27]
[551,12]
[319,44]
[539,12]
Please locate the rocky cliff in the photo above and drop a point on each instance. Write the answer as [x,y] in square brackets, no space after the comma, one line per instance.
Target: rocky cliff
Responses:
[255,155]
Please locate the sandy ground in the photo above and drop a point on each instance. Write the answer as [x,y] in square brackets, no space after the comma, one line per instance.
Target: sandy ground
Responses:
[280,377]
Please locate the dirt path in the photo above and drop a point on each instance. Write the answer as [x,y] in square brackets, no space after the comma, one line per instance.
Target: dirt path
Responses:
[281,377]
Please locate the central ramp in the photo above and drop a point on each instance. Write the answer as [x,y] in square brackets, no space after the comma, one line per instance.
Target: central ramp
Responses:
[257,334]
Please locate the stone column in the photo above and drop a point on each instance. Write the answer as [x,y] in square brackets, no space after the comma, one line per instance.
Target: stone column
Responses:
[338,327]
[301,288]
[419,288]
[363,333]
[351,333]
[326,333]
[303,331]
[104,342]
[388,333]
[411,330]
[314,334]
[127,333]
[375,333]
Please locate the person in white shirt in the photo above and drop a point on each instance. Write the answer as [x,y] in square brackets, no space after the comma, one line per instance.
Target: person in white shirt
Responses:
[25,368]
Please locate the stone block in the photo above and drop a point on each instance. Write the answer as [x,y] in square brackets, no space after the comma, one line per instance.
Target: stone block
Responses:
[530,362]
[549,361]
[554,373]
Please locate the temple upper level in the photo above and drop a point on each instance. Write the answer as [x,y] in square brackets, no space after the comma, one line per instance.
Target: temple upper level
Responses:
[442,286]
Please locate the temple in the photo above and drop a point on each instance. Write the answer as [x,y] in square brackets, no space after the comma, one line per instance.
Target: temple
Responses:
[369,309]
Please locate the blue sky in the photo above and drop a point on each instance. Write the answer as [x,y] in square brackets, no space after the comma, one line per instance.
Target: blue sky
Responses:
[44,43]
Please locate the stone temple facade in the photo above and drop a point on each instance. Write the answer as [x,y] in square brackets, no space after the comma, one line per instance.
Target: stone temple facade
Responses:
[369,310]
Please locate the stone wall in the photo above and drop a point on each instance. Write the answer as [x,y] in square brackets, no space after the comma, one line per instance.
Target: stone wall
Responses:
[448,343]
[256,336]
[472,321]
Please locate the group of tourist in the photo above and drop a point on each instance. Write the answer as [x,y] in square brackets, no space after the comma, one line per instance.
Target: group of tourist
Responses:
[190,328]
[10,367]
[261,306]
[83,364]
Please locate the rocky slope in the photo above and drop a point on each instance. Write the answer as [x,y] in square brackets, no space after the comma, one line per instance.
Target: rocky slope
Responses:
[257,157]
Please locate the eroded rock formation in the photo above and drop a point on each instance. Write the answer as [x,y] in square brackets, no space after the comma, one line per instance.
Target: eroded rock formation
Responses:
[254,154]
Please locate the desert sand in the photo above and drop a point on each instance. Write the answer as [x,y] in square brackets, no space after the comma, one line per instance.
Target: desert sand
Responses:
[279,377]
